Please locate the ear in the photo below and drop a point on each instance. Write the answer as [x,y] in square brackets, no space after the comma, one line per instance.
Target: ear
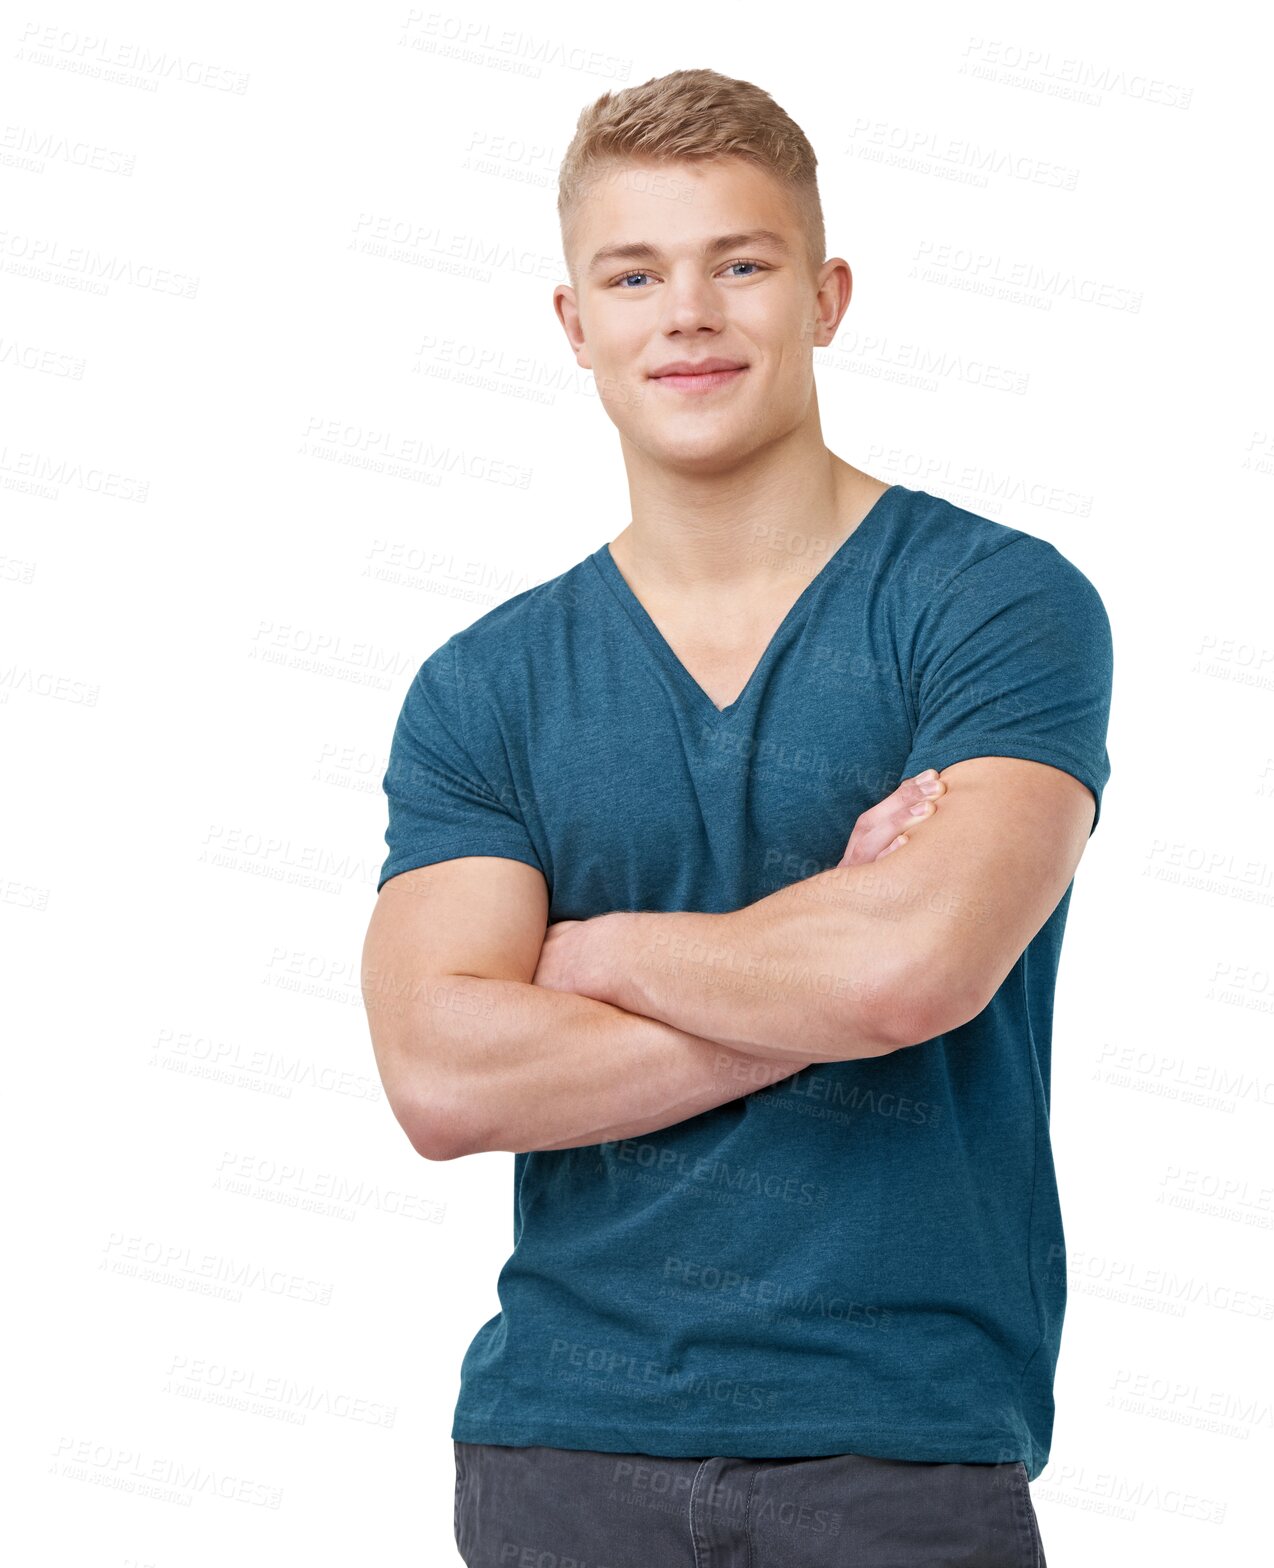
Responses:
[567,307]
[835,286]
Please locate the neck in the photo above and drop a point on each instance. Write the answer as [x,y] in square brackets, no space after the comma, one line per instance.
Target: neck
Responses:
[765,526]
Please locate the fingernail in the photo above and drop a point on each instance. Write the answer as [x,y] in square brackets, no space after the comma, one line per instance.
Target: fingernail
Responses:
[934,787]
[929,773]
[920,809]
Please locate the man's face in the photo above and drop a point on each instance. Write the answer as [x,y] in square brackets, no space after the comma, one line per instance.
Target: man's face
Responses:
[707,262]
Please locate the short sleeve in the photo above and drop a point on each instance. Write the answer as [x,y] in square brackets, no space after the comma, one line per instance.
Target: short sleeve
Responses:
[1013,658]
[443,801]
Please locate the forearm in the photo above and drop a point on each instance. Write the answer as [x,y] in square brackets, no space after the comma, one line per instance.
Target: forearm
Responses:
[514,1066]
[805,972]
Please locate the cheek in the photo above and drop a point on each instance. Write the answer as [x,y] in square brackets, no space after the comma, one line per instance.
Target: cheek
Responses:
[785,386]
[619,355]
[625,395]
[610,385]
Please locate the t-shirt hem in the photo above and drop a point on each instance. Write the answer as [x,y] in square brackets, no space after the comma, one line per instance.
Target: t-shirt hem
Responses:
[455,851]
[1008,746]
[798,1442]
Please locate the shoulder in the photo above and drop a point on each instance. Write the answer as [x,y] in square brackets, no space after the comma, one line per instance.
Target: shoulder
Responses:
[501,647]
[944,555]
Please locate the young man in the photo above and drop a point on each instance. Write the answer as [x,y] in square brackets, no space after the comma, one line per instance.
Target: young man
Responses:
[788,1271]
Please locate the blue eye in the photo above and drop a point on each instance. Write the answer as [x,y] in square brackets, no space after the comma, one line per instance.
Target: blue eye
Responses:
[621,281]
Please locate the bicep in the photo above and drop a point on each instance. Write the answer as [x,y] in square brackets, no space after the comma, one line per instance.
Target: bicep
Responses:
[980,880]
[482,916]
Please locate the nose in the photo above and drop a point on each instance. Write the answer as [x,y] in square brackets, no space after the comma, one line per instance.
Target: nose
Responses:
[691,303]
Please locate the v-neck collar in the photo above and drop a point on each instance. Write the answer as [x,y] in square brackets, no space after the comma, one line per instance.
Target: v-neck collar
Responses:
[615,580]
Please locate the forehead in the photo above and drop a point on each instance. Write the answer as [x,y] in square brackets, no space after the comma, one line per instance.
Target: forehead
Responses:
[637,210]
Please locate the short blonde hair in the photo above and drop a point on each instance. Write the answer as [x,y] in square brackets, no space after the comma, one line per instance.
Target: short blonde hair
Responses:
[695,116]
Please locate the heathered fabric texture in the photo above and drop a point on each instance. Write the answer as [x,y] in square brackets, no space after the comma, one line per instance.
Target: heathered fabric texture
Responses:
[867,1257]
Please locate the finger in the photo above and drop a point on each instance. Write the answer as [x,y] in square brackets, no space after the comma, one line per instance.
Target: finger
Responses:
[910,806]
[910,802]
[889,848]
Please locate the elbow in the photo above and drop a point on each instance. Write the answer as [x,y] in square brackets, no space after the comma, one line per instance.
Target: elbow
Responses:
[432,1145]
[877,1022]
[436,1126]
[420,1086]
[925,1002]
[438,1141]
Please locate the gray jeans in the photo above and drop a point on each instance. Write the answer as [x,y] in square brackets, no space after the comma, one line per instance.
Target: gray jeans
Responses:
[574,1508]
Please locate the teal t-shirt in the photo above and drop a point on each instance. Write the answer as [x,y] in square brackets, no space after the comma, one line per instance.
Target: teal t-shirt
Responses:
[867,1257]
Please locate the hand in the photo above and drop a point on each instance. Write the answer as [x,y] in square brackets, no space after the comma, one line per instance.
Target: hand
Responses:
[885,827]
[556,963]
[570,958]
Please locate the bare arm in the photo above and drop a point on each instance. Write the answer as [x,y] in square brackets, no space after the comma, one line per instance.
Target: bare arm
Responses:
[806,972]
[898,950]
[475,1057]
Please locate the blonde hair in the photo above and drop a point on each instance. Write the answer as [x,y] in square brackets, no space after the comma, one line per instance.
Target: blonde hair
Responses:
[695,116]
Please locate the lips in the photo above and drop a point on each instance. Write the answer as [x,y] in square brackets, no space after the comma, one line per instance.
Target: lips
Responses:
[696,367]
[694,378]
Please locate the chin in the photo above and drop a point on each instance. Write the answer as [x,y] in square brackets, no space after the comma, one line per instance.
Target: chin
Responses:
[723,441]
[698,457]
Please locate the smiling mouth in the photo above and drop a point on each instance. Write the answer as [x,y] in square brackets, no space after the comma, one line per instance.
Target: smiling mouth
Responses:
[702,381]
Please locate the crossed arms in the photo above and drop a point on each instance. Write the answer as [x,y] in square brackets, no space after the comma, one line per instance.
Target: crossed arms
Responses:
[493,1030]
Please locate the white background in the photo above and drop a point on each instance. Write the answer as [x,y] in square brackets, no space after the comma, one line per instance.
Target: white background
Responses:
[246,254]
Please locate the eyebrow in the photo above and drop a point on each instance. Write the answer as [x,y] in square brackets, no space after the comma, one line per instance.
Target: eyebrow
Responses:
[642,250]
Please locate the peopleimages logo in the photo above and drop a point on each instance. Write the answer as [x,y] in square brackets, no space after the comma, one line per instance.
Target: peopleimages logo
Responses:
[719,1173]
